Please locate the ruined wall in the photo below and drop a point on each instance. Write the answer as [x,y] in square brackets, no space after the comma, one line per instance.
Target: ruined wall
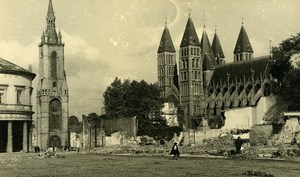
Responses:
[197,137]
[246,117]
[128,125]
[170,114]
[263,105]
[239,118]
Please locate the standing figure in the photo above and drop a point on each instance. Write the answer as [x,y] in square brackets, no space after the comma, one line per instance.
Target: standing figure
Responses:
[238,144]
[175,151]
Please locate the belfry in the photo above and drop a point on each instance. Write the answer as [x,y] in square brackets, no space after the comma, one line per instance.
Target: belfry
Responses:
[52,92]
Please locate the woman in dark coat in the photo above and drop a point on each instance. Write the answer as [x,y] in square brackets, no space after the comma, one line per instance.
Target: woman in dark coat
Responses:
[175,151]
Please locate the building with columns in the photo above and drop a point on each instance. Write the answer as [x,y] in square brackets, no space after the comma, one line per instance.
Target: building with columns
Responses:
[15,107]
[52,92]
[209,87]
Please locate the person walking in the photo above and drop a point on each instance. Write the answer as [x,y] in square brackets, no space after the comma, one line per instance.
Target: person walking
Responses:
[175,151]
[238,144]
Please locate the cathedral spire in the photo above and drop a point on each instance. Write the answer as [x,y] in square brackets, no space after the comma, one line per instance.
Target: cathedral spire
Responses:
[190,36]
[243,43]
[206,65]
[217,49]
[50,29]
[206,49]
[243,49]
[166,43]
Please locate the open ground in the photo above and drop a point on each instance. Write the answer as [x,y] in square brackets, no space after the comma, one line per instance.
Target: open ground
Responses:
[90,165]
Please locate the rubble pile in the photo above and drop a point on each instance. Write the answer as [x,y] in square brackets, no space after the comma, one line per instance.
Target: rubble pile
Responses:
[221,145]
[47,155]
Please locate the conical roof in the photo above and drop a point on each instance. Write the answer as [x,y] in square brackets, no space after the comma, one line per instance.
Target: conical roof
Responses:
[206,49]
[206,65]
[216,47]
[243,44]
[166,43]
[190,36]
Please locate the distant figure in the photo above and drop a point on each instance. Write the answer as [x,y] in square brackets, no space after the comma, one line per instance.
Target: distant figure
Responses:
[36,149]
[175,151]
[238,144]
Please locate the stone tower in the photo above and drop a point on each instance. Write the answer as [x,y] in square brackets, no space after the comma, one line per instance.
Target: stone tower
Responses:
[190,71]
[166,61]
[52,91]
[243,49]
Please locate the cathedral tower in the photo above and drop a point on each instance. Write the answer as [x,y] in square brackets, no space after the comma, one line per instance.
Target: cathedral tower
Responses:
[190,71]
[52,91]
[166,61]
[243,49]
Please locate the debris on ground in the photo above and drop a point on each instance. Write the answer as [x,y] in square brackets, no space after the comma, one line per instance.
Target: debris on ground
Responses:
[257,173]
[47,155]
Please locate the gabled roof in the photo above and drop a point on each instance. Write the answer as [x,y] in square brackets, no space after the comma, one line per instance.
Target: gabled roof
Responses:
[166,43]
[206,49]
[243,44]
[7,67]
[237,71]
[190,36]
[216,47]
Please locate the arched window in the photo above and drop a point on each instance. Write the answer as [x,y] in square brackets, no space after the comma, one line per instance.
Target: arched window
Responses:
[197,65]
[53,66]
[195,74]
[55,114]
[193,63]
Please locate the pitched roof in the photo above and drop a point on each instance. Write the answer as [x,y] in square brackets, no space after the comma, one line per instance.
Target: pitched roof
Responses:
[216,47]
[11,68]
[206,49]
[243,44]
[166,43]
[237,71]
[190,36]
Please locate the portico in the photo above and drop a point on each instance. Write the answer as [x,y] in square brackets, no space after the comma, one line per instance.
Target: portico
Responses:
[14,136]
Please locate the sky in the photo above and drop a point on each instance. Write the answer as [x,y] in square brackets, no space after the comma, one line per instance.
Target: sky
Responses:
[105,39]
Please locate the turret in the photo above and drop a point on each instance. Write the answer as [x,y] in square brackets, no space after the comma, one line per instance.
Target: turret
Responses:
[243,49]
[166,60]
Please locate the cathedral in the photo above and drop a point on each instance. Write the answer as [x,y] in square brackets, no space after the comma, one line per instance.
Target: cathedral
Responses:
[52,92]
[206,86]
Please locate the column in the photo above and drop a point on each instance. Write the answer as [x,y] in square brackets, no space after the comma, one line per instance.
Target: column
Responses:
[30,141]
[9,147]
[25,137]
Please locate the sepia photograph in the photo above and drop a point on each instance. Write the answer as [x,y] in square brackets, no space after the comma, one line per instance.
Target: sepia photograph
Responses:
[142,88]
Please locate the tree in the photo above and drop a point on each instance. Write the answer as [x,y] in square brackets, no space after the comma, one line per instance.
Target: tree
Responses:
[114,98]
[288,76]
[138,99]
[74,124]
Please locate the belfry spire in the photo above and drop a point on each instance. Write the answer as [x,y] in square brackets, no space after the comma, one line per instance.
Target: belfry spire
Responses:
[50,29]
